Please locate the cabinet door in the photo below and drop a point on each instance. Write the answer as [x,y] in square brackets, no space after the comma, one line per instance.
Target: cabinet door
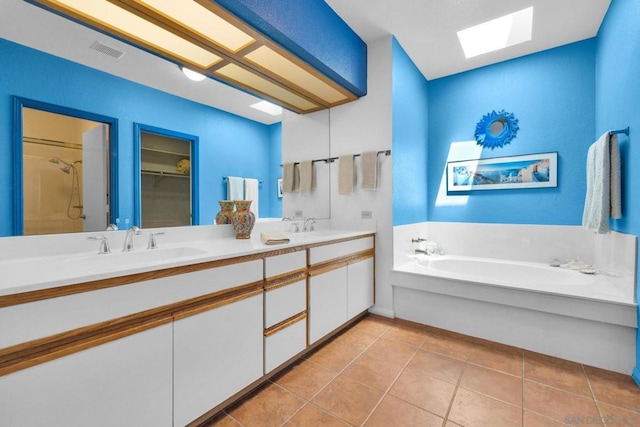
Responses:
[360,287]
[216,354]
[125,382]
[327,302]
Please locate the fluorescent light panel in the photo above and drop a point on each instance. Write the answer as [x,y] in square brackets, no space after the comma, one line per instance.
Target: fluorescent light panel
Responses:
[497,34]
[267,107]
[106,14]
[202,21]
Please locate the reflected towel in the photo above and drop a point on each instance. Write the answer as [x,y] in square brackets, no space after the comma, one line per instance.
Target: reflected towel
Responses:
[598,201]
[289,177]
[306,177]
[369,170]
[235,188]
[346,176]
[251,192]
[616,186]
[273,238]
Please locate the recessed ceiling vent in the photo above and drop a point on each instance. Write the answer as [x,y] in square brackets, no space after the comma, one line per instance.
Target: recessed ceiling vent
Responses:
[115,53]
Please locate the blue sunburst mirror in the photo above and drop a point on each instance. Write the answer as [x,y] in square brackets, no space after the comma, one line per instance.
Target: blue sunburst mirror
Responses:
[496,129]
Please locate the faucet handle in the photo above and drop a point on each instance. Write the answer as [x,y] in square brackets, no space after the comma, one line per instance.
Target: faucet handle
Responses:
[418,240]
[104,244]
[153,244]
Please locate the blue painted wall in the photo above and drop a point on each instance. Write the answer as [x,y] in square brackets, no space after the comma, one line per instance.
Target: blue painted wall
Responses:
[552,93]
[275,170]
[229,144]
[311,30]
[618,106]
[410,133]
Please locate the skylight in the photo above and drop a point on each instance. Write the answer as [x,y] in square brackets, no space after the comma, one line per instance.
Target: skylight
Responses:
[497,34]
[267,107]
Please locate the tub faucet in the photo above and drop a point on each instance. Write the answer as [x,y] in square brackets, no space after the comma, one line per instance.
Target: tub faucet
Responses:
[128,239]
[418,240]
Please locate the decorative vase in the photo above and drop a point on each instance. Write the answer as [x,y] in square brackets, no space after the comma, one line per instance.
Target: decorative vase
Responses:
[243,219]
[226,211]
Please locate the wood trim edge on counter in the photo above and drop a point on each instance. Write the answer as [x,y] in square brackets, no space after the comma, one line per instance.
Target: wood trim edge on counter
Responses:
[285,324]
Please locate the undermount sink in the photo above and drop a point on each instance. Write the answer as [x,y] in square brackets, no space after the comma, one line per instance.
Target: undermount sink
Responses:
[130,259]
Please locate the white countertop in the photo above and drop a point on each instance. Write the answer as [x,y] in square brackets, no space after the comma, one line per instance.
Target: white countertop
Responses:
[32,273]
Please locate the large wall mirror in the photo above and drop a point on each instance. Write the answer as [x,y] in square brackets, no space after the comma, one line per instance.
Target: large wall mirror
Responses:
[63,169]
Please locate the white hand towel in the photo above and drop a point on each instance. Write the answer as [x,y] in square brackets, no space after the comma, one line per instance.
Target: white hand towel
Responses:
[345,174]
[616,187]
[235,188]
[369,170]
[306,177]
[597,204]
[273,238]
[288,177]
[251,192]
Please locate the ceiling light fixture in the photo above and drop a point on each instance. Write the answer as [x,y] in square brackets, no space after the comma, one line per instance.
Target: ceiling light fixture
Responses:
[193,75]
[267,107]
[202,36]
[497,34]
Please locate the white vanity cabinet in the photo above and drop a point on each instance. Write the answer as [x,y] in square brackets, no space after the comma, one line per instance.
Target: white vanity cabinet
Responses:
[341,284]
[285,308]
[123,382]
[217,352]
[327,302]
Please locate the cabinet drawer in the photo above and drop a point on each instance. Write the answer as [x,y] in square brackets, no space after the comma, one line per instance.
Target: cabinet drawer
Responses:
[325,253]
[282,264]
[39,319]
[284,302]
[284,344]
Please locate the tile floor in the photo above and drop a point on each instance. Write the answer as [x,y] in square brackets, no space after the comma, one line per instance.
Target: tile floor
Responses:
[382,372]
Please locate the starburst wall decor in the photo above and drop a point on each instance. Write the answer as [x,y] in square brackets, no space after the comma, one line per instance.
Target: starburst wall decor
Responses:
[496,129]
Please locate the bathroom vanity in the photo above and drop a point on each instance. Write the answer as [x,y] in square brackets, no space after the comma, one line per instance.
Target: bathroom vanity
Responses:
[172,342]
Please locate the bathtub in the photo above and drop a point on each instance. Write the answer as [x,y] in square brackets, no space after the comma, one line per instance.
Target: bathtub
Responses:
[587,318]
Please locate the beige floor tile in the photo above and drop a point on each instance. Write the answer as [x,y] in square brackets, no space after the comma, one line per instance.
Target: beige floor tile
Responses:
[390,350]
[424,391]
[498,385]
[472,409]
[334,355]
[498,359]
[451,424]
[395,412]
[271,405]
[437,366]
[614,388]
[311,415]
[447,345]
[305,378]
[356,338]
[557,373]
[348,399]
[374,371]
[616,416]
[406,334]
[222,420]
[374,325]
[557,404]
[532,419]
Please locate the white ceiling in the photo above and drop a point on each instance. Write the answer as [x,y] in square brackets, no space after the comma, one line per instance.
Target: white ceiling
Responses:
[425,28]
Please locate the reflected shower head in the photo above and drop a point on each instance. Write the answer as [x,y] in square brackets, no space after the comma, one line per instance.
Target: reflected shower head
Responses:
[58,160]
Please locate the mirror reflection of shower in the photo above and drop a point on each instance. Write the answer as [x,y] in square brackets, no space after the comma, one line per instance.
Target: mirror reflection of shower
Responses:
[74,206]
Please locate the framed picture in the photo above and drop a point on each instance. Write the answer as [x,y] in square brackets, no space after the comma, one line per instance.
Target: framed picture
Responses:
[501,173]
[280,188]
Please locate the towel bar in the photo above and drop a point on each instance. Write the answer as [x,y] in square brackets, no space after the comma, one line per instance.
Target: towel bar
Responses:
[619,131]
[224,179]
[332,159]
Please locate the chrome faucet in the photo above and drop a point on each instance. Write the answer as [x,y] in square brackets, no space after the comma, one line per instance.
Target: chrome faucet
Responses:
[153,244]
[128,240]
[418,240]
[308,224]
[104,244]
